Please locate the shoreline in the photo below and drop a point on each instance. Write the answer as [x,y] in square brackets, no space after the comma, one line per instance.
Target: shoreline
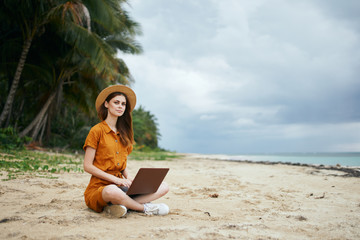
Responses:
[350,171]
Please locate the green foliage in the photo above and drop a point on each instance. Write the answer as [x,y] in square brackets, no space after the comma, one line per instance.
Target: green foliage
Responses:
[69,62]
[146,132]
[17,163]
[10,140]
[70,130]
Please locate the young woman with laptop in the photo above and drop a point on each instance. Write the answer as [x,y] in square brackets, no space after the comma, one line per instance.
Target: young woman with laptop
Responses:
[106,149]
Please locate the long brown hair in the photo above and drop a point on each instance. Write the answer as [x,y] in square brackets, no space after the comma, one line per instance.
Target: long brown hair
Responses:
[124,123]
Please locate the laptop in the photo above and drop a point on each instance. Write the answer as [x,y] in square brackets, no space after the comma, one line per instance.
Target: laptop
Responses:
[147,180]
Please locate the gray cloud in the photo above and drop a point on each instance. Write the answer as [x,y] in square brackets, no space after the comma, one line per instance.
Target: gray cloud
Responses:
[250,76]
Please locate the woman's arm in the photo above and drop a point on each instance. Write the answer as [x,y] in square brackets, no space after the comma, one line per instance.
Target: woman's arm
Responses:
[90,168]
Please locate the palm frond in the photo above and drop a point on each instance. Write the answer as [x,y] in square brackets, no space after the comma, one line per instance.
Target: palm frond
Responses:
[124,43]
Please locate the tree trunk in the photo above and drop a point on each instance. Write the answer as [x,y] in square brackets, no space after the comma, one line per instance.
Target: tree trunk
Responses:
[15,83]
[38,119]
[38,128]
[46,119]
[7,123]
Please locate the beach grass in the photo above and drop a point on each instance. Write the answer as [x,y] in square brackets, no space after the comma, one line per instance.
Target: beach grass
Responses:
[16,163]
[153,155]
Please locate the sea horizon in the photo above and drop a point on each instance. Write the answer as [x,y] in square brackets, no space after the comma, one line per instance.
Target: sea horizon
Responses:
[350,159]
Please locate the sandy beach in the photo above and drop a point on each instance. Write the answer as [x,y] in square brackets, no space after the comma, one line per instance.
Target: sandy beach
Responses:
[209,199]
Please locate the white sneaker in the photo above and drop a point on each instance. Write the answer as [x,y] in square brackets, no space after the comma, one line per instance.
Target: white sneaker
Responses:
[156,209]
[116,210]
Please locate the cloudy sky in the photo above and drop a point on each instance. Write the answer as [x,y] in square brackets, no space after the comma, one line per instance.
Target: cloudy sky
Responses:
[259,76]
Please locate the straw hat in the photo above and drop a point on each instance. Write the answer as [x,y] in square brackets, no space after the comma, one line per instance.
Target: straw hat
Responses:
[130,94]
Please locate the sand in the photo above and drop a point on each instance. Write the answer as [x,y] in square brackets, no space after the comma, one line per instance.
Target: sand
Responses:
[209,199]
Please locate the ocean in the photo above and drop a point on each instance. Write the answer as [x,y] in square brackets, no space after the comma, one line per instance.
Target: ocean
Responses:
[332,159]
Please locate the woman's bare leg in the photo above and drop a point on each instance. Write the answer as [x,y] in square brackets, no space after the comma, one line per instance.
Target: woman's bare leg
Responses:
[163,189]
[115,195]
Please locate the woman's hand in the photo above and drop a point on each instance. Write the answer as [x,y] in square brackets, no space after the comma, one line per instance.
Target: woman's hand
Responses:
[122,182]
[126,175]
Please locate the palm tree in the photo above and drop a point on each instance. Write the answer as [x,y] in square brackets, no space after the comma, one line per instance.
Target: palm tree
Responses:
[30,16]
[86,62]
[63,69]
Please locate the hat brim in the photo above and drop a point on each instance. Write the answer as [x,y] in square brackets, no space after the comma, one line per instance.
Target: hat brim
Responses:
[130,95]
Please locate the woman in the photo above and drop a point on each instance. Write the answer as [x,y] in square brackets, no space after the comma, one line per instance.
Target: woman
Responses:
[106,149]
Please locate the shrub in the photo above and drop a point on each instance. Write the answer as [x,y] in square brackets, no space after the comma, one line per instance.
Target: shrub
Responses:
[9,139]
